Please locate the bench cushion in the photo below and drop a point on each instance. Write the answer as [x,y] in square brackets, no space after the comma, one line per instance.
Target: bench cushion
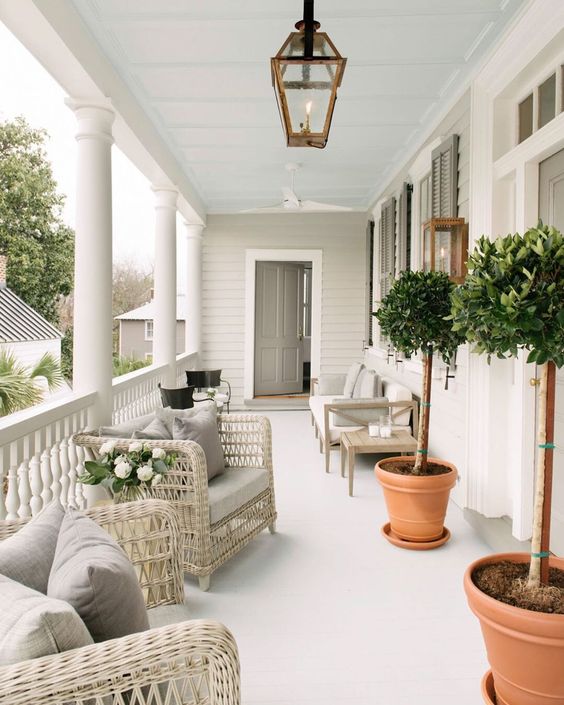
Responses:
[234,488]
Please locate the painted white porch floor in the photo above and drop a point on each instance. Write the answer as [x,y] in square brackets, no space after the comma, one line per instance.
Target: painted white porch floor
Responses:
[326,612]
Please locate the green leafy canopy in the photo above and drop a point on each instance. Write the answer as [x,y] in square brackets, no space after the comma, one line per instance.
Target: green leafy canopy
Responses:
[513,296]
[413,314]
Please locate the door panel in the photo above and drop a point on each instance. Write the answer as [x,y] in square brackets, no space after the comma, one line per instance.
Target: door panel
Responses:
[551,212]
[278,328]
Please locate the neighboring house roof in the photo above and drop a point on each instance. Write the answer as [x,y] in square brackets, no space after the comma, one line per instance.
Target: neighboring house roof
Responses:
[147,311]
[19,323]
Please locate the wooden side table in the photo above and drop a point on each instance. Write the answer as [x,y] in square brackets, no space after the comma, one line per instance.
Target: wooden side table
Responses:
[357,442]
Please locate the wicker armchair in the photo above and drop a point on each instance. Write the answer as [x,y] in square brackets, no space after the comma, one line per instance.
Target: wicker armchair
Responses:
[247,443]
[188,663]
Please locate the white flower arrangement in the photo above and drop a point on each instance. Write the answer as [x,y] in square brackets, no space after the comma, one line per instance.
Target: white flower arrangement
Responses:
[140,467]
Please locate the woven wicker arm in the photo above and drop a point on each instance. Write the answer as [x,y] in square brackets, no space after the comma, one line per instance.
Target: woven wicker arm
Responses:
[191,663]
[148,532]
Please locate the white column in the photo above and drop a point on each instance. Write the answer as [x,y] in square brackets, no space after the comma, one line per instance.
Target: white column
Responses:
[92,357]
[193,329]
[164,327]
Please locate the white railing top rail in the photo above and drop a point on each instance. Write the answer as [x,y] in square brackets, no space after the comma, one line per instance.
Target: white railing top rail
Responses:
[132,379]
[36,418]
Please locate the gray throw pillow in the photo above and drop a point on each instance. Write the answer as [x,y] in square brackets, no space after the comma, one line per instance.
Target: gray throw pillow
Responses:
[127,428]
[28,555]
[93,574]
[352,375]
[202,428]
[34,625]
[167,415]
[155,431]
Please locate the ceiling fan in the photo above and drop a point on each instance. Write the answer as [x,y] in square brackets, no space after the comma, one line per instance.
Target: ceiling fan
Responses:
[291,203]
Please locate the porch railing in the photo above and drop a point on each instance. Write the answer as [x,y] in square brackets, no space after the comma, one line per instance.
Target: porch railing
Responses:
[39,461]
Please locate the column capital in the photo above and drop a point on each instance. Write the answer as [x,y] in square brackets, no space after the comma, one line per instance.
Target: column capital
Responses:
[94,118]
[165,196]
[194,231]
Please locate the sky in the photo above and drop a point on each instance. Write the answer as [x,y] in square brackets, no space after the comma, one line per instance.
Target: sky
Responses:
[27,89]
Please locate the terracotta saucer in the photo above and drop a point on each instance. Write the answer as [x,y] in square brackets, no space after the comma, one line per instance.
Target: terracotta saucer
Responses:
[488,691]
[414,545]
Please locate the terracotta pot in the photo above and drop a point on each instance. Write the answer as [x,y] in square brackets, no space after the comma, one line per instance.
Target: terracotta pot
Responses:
[416,504]
[525,649]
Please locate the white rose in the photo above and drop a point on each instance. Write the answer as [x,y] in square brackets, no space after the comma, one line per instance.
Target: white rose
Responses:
[156,480]
[145,473]
[122,470]
[120,459]
[107,447]
[159,453]
[136,447]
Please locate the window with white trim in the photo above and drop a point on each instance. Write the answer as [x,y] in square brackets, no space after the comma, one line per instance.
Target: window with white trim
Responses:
[541,105]
[148,330]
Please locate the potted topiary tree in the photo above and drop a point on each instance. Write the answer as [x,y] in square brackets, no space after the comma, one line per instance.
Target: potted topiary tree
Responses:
[512,299]
[416,490]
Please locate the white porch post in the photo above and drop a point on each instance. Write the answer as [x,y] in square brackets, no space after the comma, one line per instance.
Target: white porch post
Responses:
[92,356]
[193,325]
[164,327]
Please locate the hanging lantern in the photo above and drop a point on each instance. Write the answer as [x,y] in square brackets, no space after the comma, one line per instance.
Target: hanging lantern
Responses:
[306,73]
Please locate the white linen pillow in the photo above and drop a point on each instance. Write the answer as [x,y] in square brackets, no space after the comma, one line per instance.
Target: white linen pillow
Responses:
[352,375]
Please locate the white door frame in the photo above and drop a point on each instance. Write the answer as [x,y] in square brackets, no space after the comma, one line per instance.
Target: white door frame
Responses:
[251,258]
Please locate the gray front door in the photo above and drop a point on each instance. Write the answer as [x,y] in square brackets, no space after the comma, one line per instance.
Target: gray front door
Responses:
[551,211]
[278,328]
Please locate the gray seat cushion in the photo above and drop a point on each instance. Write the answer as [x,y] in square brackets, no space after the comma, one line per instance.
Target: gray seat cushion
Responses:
[28,555]
[164,615]
[202,428]
[93,574]
[232,489]
[34,625]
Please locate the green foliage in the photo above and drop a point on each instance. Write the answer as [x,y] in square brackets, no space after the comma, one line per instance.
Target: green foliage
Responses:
[513,296]
[19,387]
[124,365]
[66,353]
[413,314]
[40,247]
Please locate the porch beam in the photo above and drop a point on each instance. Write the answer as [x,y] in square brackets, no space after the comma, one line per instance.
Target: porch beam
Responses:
[164,326]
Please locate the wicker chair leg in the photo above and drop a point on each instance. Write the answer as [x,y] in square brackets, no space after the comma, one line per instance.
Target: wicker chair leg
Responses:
[272,527]
[204,581]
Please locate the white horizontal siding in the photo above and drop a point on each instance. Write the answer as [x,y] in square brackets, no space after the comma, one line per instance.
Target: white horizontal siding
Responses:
[341,237]
[29,353]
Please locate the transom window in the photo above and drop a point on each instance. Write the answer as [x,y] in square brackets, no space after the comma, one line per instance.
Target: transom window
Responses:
[542,105]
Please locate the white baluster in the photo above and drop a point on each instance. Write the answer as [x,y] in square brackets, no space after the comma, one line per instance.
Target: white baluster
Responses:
[24,509]
[65,470]
[36,483]
[56,470]
[80,470]
[12,496]
[46,477]
[73,463]
[4,470]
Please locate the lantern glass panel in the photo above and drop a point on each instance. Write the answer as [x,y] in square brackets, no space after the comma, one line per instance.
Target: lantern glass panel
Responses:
[308,89]
[443,254]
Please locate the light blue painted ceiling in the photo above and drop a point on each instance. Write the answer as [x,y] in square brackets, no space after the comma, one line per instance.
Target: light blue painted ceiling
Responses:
[200,69]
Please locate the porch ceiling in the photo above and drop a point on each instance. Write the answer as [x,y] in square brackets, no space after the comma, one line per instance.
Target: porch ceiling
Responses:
[200,70]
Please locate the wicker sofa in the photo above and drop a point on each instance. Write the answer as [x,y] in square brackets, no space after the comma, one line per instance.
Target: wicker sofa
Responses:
[219,519]
[184,663]
[333,413]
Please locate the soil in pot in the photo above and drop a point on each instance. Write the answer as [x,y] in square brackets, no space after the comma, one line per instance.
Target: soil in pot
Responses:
[406,468]
[506,582]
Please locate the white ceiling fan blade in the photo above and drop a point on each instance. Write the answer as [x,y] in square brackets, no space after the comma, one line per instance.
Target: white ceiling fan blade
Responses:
[316,206]
[290,198]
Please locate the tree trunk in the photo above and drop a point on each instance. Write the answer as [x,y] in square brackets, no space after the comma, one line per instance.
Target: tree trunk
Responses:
[540,542]
[420,466]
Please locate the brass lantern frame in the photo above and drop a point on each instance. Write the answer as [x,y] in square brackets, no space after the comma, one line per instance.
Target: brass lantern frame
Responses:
[335,64]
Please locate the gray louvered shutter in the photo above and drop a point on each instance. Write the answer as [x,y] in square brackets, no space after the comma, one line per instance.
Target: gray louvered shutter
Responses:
[387,246]
[404,228]
[444,179]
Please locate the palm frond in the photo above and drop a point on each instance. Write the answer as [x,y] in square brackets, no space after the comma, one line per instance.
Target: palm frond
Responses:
[49,368]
